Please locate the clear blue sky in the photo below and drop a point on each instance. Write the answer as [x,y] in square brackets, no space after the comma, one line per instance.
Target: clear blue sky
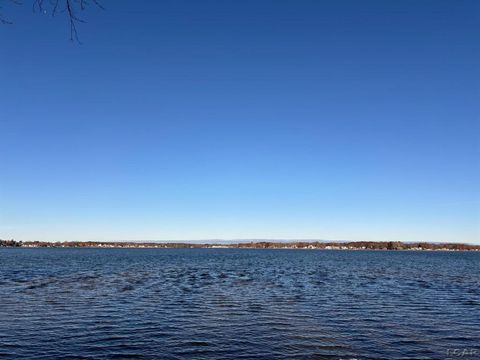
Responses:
[242,119]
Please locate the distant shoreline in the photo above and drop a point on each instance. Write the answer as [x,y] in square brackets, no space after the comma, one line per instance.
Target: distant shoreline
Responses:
[317,245]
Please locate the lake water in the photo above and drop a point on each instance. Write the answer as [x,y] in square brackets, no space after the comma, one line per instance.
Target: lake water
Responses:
[238,304]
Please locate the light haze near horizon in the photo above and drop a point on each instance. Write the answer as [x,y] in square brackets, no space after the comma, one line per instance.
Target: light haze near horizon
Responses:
[180,120]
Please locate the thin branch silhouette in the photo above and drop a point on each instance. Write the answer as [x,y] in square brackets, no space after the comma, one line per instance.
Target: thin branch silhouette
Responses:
[3,20]
[69,7]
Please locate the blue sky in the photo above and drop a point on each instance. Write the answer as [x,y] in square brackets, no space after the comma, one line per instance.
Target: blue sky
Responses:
[242,119]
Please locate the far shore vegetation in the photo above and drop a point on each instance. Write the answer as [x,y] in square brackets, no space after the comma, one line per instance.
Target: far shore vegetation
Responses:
[321,245]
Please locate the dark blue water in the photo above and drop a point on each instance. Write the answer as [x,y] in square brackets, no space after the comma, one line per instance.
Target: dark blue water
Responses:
[238,304]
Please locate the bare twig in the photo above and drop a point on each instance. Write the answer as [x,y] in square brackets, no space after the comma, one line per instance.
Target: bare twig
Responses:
[3,20]
[55,7]
[69,7]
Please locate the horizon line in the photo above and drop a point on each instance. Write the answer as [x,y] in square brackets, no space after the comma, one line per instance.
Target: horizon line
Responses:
[242,240]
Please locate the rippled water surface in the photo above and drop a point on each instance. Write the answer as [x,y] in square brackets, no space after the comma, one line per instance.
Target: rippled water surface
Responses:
[237,304]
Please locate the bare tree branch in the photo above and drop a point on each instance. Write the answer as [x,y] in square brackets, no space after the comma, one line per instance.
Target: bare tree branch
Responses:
[3,20]
[70,7]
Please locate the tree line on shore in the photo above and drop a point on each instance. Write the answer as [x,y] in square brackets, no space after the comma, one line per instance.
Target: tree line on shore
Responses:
[353,245]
